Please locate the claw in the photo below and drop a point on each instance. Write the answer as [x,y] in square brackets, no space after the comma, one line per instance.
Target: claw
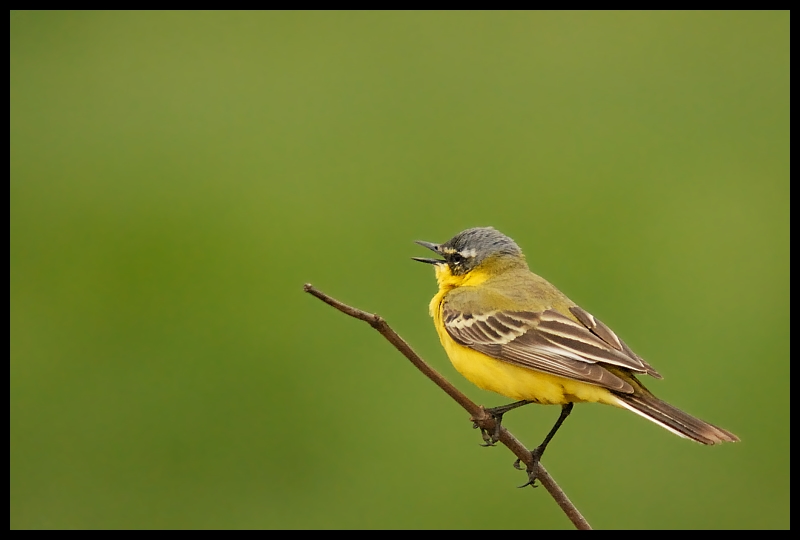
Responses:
[533,470]
[490,440]
[532,475]
[531,482]
[487,439]
[496,433]
[494,438]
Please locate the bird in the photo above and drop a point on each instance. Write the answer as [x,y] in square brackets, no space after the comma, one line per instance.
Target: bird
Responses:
[510,331]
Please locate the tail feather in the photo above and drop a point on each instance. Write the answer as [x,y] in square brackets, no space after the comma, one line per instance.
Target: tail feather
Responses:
[674,419]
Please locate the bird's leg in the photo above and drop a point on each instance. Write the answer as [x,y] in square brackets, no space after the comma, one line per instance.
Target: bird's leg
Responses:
[536,453]
[497,413]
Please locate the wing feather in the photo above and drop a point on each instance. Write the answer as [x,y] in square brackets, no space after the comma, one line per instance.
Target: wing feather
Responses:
[550,342]
[609,337]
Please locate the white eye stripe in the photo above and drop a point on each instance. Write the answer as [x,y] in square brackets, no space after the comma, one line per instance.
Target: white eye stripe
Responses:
[469,253]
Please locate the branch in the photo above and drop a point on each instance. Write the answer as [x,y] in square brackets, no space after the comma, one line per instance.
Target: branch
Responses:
[479,415]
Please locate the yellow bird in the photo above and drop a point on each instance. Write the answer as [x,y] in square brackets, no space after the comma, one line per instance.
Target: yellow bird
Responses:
[510,331]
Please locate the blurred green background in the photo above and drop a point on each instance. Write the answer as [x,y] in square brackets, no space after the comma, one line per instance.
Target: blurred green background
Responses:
[177,177]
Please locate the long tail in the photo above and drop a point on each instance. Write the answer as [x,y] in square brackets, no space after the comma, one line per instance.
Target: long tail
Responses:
[678,422]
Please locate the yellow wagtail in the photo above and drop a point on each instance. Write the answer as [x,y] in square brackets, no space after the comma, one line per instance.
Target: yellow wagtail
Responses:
[509,331]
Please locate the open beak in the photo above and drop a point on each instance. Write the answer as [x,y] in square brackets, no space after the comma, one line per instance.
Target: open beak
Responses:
[432,247]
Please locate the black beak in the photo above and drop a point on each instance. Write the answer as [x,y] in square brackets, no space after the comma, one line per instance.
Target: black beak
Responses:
[432,247]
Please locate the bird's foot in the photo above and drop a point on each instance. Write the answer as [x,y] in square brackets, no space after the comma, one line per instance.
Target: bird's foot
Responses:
[533,468]
[496,414]
[490,436]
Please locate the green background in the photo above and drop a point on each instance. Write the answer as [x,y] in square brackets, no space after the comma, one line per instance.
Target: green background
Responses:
[177,177]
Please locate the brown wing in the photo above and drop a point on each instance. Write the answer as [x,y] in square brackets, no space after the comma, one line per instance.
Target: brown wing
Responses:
[610,338]
[549,342]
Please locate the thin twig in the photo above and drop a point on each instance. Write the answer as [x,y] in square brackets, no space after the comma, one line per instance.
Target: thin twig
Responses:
[479,415]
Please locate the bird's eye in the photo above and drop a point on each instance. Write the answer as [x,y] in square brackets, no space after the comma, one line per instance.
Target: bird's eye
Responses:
[456,258]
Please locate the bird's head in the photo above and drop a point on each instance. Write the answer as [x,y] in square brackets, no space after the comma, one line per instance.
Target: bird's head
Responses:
[473,253]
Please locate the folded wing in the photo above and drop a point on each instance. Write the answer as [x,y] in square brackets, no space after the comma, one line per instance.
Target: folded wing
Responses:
[550,342]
